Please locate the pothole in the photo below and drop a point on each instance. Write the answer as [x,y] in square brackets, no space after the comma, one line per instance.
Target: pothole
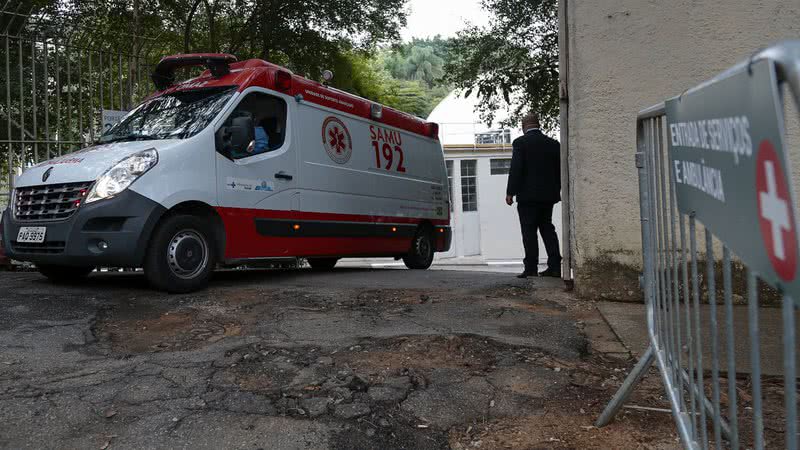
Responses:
[128,332]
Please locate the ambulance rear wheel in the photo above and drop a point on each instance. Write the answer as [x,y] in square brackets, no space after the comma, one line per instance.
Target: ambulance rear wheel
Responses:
[322,263]
[421,254]
[64,274]
[180,257]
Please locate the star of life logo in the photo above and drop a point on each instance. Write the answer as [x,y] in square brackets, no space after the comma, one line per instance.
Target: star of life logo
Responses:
[337,141]
[776,215]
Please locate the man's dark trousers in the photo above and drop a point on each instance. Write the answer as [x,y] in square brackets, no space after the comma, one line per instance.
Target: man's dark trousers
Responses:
[535,216]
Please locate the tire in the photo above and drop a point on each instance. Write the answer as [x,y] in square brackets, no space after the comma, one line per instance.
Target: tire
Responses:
[64,274]
[180,256]
[322,264]
[420,256]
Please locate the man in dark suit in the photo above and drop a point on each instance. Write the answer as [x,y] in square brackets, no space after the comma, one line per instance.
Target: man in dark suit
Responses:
[535,179]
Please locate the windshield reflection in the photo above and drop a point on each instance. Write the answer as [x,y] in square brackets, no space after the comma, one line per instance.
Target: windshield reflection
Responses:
[178,115]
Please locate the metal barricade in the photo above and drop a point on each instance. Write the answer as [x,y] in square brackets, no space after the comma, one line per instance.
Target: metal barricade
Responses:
[55,85]
[706,411]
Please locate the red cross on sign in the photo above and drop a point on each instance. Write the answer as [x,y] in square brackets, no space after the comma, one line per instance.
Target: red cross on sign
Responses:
[775,213]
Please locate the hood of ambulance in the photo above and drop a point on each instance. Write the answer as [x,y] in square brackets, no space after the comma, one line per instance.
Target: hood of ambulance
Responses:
[89,163]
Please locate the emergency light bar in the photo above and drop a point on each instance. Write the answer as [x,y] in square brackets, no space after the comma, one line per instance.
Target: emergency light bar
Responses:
[164,75]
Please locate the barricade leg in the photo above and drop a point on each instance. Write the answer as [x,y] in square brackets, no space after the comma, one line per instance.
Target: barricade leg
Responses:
[626,389]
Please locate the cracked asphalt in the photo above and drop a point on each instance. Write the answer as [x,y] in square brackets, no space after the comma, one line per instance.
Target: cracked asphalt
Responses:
[299,359]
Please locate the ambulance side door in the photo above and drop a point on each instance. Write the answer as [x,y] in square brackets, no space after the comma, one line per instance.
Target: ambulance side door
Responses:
[250,174]
[334,162]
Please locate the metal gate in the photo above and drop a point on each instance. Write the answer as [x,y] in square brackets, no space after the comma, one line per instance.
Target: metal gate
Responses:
[706,412]
[55,87]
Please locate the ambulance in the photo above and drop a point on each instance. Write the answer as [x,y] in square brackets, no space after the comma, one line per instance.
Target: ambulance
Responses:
[244,164]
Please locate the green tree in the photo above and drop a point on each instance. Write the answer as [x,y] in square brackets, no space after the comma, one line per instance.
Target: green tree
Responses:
[440,45]
[305,35]
[308,35]
[365,75]
[424,64]
[349,37]
[394,62]
[415,72]
[407,96]
[420,59]
[513,62]
[361,74]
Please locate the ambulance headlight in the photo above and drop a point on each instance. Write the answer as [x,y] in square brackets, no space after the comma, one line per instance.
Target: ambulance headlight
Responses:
[123,174]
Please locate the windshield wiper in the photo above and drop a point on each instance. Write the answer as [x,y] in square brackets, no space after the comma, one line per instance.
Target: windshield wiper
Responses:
[128,137]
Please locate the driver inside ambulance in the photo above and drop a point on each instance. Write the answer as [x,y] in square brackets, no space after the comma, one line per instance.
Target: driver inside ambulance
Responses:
[268,121]
[260,143]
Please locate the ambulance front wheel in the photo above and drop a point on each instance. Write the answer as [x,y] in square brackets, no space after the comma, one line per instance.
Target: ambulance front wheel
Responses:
[421,254]
[180,257]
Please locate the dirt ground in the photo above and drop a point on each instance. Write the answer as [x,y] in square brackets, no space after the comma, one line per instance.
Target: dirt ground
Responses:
[297,359]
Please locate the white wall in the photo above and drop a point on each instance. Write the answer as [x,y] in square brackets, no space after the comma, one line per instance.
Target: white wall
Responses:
[458,121]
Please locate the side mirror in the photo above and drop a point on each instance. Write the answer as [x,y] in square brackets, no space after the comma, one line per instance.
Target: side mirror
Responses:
[234,138]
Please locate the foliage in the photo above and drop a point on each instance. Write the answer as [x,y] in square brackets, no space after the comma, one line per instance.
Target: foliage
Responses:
[349,37]
[415,70]
[361,74]
[421,63]
[408,96]
[305,35]
[420,59]
[424,64]
[513,62]
[368,77]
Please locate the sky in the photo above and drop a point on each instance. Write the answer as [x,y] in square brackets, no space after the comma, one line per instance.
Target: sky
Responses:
[428,18]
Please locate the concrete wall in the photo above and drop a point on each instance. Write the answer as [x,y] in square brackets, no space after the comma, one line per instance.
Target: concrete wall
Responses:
[625,55]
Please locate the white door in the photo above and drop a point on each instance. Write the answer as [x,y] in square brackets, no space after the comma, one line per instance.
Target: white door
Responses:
[500,230]
[263,175]
[502,237]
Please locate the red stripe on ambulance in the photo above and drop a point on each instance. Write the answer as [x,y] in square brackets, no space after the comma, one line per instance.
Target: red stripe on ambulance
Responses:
[243,241]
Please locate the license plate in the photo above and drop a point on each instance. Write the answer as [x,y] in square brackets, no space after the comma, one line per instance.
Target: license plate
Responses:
[31,235]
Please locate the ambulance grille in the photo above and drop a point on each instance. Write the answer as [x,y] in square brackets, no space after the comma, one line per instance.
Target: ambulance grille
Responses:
[45,248]
[49,202]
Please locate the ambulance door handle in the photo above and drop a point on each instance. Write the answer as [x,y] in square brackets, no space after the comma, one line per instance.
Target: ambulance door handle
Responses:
[283,176]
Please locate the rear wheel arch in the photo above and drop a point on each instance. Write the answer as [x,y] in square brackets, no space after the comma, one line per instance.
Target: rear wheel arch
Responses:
[426,225]
[421,252]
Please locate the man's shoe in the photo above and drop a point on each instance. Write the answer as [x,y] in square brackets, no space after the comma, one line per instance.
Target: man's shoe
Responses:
[526,274]
[550,273]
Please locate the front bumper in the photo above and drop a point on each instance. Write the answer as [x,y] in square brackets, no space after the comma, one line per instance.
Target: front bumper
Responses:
[124,223]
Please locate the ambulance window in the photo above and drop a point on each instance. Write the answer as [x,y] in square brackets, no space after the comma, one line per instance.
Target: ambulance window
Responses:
[268,114]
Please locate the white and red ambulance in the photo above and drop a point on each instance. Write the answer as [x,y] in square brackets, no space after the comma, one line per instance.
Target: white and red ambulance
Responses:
[245,163]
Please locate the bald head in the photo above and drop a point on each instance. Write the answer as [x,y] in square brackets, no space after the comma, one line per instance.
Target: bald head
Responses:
[531,120]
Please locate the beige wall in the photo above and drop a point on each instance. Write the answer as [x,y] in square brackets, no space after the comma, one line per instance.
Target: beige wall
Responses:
[625,55]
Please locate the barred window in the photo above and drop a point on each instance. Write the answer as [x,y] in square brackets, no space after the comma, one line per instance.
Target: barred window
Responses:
[469,185]
[500,166]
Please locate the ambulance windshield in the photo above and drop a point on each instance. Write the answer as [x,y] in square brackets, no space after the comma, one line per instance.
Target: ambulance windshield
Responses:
[177,115]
